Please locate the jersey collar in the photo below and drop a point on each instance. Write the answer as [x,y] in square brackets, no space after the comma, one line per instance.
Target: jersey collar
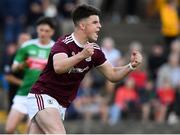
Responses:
[77,43]
[50,44]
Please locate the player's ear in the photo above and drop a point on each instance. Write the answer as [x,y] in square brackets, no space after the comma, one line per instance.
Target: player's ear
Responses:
[82,24]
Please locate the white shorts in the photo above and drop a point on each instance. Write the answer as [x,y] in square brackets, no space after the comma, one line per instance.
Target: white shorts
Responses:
[19,104]
[38,102]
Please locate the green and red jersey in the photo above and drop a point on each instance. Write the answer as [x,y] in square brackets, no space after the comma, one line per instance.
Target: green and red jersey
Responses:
[35,55]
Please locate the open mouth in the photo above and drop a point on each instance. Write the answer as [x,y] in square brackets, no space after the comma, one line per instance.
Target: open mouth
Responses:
[97,33]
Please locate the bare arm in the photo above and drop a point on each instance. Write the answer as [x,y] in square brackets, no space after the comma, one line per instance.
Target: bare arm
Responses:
[18,66]
[115,74]
[62,63]
[14,80]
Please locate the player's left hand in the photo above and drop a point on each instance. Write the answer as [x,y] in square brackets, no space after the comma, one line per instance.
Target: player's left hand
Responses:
[136,59]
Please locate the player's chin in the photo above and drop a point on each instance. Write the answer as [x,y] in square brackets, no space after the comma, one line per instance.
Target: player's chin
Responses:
[95,38]
[92,39]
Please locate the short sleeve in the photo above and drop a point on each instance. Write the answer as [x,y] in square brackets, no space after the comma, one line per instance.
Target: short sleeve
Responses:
[59,47]
[21,55]
[99,58]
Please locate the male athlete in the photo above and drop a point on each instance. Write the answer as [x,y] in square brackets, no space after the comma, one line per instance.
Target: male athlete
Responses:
[32,57]
[70,59]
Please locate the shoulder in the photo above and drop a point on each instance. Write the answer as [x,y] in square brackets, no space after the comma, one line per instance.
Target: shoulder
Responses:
[97,47]
[29,43]
[164,68]
[64,40]
[97,51]
[67,39]
[51,43]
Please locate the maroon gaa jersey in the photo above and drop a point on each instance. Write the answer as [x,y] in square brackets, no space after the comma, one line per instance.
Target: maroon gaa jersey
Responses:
[63,87]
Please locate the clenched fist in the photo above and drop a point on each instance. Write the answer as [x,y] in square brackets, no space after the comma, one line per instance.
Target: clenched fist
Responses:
[136,59]
[88,50]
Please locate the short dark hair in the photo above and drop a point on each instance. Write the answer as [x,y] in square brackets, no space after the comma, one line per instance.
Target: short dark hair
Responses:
[84,11]
[46,20]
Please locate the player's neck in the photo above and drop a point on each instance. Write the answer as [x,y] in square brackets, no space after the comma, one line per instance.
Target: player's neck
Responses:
[44,41]
[80,37]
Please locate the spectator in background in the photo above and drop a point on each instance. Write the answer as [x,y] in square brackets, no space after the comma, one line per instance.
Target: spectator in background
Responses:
[155,59]
[153,8]
[115,10]
[113,55]
[175,112]
[170,23]
[140,77]
[49,8]
[148,101]
[126,100]
[169,71]
[89,103]
[175,46]
[14,79]
[166,96]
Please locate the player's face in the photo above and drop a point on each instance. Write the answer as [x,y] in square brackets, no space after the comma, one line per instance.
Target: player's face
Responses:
[92,27]
[45,32]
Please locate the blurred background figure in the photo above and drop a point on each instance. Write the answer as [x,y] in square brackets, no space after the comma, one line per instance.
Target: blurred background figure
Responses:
[89,104]
[167,85]
[31,58]
[170,71]
[175,46]
[149,102]
[113,55]
[155,59]
[14,79]
[126,100]
[170,23]
[166,97]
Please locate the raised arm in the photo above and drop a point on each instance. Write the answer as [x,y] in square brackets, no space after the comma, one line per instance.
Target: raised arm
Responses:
[115,74]
[62,63]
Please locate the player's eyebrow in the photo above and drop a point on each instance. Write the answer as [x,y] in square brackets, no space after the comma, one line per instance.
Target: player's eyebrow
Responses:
[95,21]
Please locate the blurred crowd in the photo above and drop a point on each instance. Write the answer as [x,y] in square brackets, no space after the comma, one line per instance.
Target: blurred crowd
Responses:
[151,93]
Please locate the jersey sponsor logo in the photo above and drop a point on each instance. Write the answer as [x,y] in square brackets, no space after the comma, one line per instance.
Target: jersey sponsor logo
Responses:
[78,70]
[42,54]
[32,52]
[36,63]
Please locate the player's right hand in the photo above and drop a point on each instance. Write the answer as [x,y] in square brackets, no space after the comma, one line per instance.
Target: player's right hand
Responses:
[136,59]
[88,50]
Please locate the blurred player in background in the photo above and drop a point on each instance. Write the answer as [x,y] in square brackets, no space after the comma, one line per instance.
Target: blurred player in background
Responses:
[70,59]
[14,79]
[31,57]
